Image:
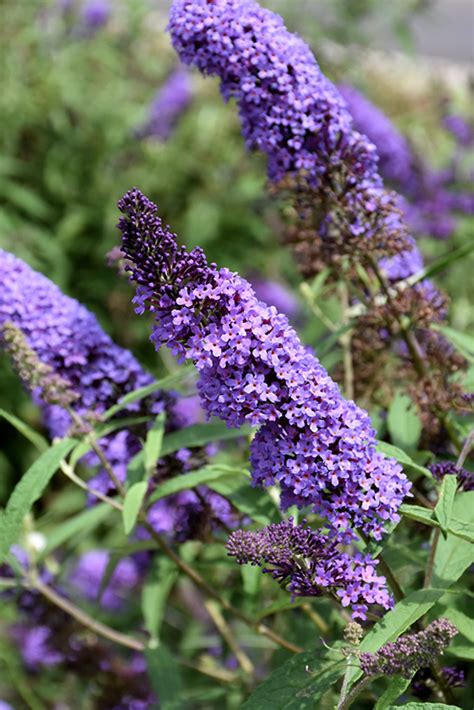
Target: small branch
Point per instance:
(317, 620)
(346, 702)
(211, 592)
(431, 558)
(468, 445)
(83, 618)
(226, 632)
(345, 341)
(71, 474)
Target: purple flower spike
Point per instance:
(289, 110)
(253, 369)
(411, 652)
(68, 341)
(309, 564)
(87, 575)
(169, 103)
(95, 14)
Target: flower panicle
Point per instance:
(35, 374)
(309, 564)
(411, 652)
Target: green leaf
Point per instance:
(165, 384)
(396, 687)
(298, 684)
(132, 504)
(460, 528)
(199, 435)
(28, 490)
(208, 474)
(444, 506)
(86, 521)
(29, 433)
(453, 555)
(441, 263)
(424, 706)
(461, 341)
(397, 621)
(253, 502)
(403, 422)
(403, 458)
(153, 444)
(165, 677)
(158, 585)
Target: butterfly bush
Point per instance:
(308, 564)
(409, 653)
(253, 369)
(293, 114)
(67, 340)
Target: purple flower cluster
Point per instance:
(88, 573)
(276, 294)
(169, 103)
(411, 652)
(67, 339)
(449, 468)
(94, 14)
(253, 369)
(309, 564)
(431, 201)
(289, 110)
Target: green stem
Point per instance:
(83, 618)
(346, 702)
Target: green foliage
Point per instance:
(29, 489)
(300, 683)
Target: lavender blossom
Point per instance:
(291, 112)
(67, 338)
(462, 130)
(253, 369)
(68, 342)
(449, 468)
(411, 652)
(309, 564)
(88, 573)
(94, 14)
(169, 103)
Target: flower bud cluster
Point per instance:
(309, 564)
(411, 652)
(320, 448)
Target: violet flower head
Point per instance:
(290, 112)
(449, 468)
(94, 14)
(460, 128)
(252, 367)
(411, 652)
(67, 338)
(309, 564)
(168, 105)
(82, 364)
(87, 575)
